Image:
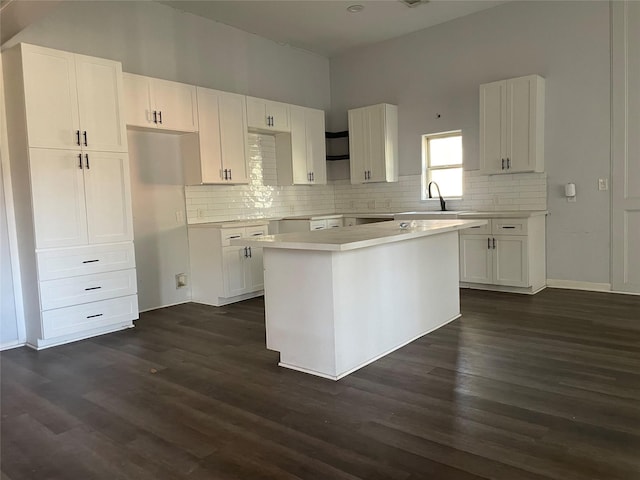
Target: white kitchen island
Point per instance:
(337, 300)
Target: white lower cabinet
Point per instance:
(222, 273)
(506, 254)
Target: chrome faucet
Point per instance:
(442, 204)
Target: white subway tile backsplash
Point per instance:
(261, 198)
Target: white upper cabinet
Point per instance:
(301, 156)
(373, 144)
(512, 125)
(222, 140)
(72, 101)
(154, 103)
(267, 116)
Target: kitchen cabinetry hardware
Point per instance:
(91, 261)
(266, 115)
(250, 256)
(508, 226)
(92, 288)
(94, 316)
(246, 252)
(235, 236)
(503, 164)
(86, 157)
(160, 117)
(155, 116)
(78, 137)
(508, 164)
(494, 243)
(84, 134)
(80, 161)
(488, 243)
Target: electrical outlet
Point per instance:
(603, 184)
(181, 280)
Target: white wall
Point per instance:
(159, 218)
(8, 319)
(156, 40)
(438, 70)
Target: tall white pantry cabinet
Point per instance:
(70, 171)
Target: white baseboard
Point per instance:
(575, 285)
(12, 344)
(163, 306)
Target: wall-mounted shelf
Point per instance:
(339, 146)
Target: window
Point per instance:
(442, 163)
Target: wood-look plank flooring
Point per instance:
(531, 388)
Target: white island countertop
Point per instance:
(360, 236)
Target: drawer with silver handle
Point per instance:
(509, 226)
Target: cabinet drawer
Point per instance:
(256, 231)
(334, 222)
(65, 292)
(481, 230)
(509, 226)
(71, 262)
(228, 234)
(317, 225)
(69, 320)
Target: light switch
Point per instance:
(603, 184)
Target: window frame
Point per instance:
(426, 162)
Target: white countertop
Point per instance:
(231, 224)
(326, 216)
(360, 236)
(434, 214)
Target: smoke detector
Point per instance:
(413, 3)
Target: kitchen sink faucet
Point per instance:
(442, 204)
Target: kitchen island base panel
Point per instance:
(329, 313)
(344, 374)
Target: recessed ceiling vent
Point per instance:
(413, 3)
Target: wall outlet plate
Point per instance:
(181, 280)
(603, 184)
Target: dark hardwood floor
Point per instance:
(542, 387)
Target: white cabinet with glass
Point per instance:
(222, 273)
(373, 144)
(70, 169)
(160, 104)
(512, 125)
(507, 254)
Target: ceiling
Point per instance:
(326, 27)
(321, 26)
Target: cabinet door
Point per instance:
(300, 168)
(377, 137)
(137, 100)
(493, 114)
(233, 265)
(511, 266)
(358, 138)
(209, 135)
(476, 265)
(520, 124)
(279, 113)
(57, 188)
(51, 98)
(255, 270)
(316, 148)
(108, 197)
(256, 113)
(233, 136)
(99, 84)
(175, 104)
